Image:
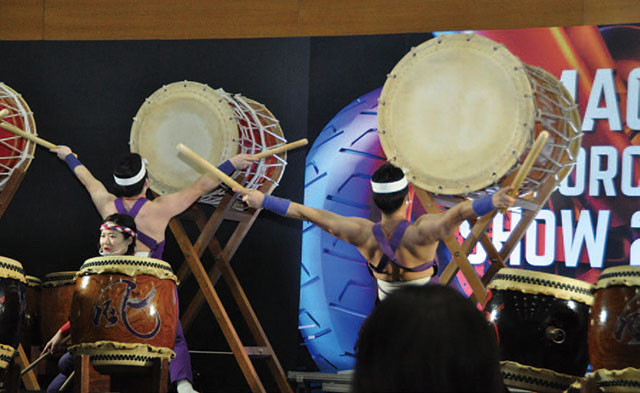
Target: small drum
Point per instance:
(459, 114)
(31, 331)
(56, 296)
(15, 151)
(125, 312)
(614, 328)
(12, 306)
(541, 322)
(214, 124)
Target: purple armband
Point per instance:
(276, 205)
(72, 161)
(483, 205)
(227, 167)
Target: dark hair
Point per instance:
(124, 220)
(427, 338)
(128, 167)
(390, 202)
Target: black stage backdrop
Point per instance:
(85, 94)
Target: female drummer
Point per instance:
(118, 237)
(398, 253)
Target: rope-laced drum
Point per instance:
(124, 312)
(15, 150)
(55, 302)
(12, 307)
(214, 124)
(459, 114)
(541, 322)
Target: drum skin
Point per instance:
(115, 307)
(614, 327)
(57, 292)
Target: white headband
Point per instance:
(386, 188)
(134, 179)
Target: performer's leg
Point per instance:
(180, 367)
(65, 366)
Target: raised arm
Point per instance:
(101, 198)
(353, 230)
(433, 227)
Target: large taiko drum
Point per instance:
(124, 312)
(214, 124)
(31, 331)
(541, 322)
(12, 306)
(614, 328)
(459, 114)
(15, 151)
(55, 302)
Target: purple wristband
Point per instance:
(276, 205)
(227, 167)
(72, 161)
(483, 205)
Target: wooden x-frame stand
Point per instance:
(460, 253)
(222, 267)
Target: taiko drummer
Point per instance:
(398, 252)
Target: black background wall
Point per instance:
(85, 94)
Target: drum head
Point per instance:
(183, 112)
(456, 113)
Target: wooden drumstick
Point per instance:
(4, 113)
(281, 149)
(67, 381)
(26, 135)
(44, 355)
(194, 158)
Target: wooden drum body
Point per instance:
(15, 151)
(614, 327)
(12, 308)
(31, 331)
(124, 311)
(214, 124)
(459, 113)
(57, 292)
(541, 321)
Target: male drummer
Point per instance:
(151, 218)
(397, 252)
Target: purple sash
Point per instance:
(156, 248)
(390, 246)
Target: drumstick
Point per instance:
(206, 165)
(280, 149)
(528, 163)
(4, 113)
(69, 378)
(26, 135)
(44, 355)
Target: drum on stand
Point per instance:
(459, 114)
(31, 331)
(12, 308)
(124, 312)
(15, 151)
(541, 322)
(214, 124)
(55, 301)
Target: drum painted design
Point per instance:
(614, 327)
(541, 321)
(31, 331)
(124, 300)
(459, 114)
(12, 307)
(55, 302)
(15, 151)
(214, 124)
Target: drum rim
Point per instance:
(12, 269)
(455, 188)
(529, 375)
(610, 378)
(627, 276)
(128, 265)
(569, 288)
(6, 355)
(137, 353)
(58, 279)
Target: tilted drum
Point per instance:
(55, 302)
(15, 151)
(214, 124)
(459, 113)
(12, 306)
(541, 322)
(124, 312)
